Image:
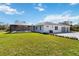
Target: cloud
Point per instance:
(5, 3)
(73, 4)
(40, 7)
(66, 16)
(5, 8)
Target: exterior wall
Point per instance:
(67, 28)
(52, 28)
(37, 28)
(47, 28)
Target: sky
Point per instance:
(33, 13)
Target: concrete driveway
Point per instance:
(72, 35)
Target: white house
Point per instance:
(48, 27)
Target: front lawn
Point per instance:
(35, 44)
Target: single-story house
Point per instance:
(49, 27)
(44, 27)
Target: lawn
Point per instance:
(36, 44)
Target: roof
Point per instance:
(49, 23)
(20, 24)
(45, 23)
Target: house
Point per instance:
(49, 27)
(44, 27)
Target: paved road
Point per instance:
(73, 35)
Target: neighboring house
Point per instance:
(48, 27)
(44, 27)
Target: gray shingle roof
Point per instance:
(49, 23)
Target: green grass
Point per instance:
(35, 44)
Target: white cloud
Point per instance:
(5, 8)
(73, 4)
(40, 4)
(60, 17)
(40, 7)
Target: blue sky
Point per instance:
(39, 12)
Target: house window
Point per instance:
(36, 28)
(56, 27)
(40, 27)
(47, 26)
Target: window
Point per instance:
(47, 26)
(36, 28)
(40, 27)
(56, 27)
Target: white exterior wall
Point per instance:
(38, 29)
(51, 27)
(45, 29)
(68, 28)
